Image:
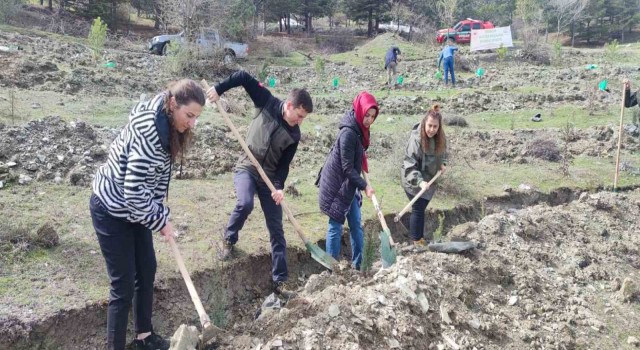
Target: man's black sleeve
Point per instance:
(630, 100)
(258, 93)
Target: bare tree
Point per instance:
(190, 15)
(447, 10)
(566, 12)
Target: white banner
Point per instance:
(487, 39)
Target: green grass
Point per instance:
(555, 117)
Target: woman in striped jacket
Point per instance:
(127, 205)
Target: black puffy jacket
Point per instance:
(340, 175)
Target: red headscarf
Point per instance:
(361, 104)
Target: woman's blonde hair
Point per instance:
(439, 137)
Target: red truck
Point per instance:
(461, 32)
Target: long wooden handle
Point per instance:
(415, 198)
(256, 164)
(376, 205)
(204, 318)
(615, 177)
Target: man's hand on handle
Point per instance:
(277, 196)
(212, 95)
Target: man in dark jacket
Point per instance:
(631, 100)
(340, 180)
(273, 138)
(391, 64)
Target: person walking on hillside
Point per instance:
(273, 138)
(340, 181)
(424, 156)
(126, 205)
(446, 55)
(391, 64)
(631, 100)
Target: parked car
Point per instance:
(207, 39)
(461, 32)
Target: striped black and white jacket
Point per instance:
(133, 183)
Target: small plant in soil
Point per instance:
(437, 234)
(368, 252)
(97, 37)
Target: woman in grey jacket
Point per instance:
(424, 156)
(127, 206)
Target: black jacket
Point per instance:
(340, 175)
(271, 140)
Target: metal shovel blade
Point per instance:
(387, 252)
(320, 255)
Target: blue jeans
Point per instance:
(131, 264)
(246, 187)
(448, 68)
(334, 235)
(416, 223)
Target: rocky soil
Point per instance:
(563, 277)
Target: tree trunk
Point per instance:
(573, 33)
(307, 23)
(41, 2)
(114, 25)
(288, 23)
(370, 24)
(158, 13)
(50, 5)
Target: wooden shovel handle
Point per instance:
(257, 165)
(376, 205)
(415, 198)
(204, 318)
(620, 131)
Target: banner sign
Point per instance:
(487, 39)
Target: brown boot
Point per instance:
(227, 252)
(281, 289)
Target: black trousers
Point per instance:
(131, 264)
(416, 223)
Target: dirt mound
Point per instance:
(45, 64)
(52, 149)
(564, 292)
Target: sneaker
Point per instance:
(227, 251)
(420, 243)
(280, 288)
(152, 342)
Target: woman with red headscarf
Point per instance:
(340, 181)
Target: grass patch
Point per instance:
(555, 117)
(376, 49)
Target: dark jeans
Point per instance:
(416, 223)
(246, 187)
(131, 264)
(448, 68)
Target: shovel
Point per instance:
(317, 253)
(209, 330)
(387, 251)
(397, 218)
